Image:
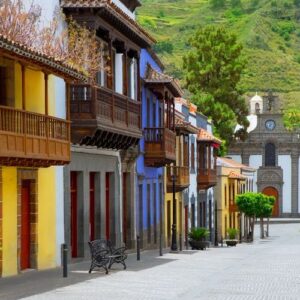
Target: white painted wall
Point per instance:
(119, 73)
(285, 162)
(255, 161)
(47, 12)
(237, 158)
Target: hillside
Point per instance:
(269, 31)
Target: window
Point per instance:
(257, 108)
(270, 155)
(132, 79)
(7, 82)
(101, 77)
(3, 85)
(154, 114)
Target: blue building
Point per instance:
(157, 147)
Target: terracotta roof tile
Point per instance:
(36, 57)
(232, 163)
(153, 76)
(234, 175)
(113, 8)
(205, 136)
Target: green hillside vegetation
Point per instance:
(268, 29)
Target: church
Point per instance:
(274, 152)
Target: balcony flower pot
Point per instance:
(197, 238)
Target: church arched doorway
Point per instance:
(271, 191)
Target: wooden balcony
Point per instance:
(100, 117)
(159, 147)
(33, 140)
(182, 178)
(206, 178)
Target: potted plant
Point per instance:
(197, 238)
(232, 233)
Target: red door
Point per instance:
(74, 213)
(107, 214)
(270, 191)
(25, 225)
(92, 206)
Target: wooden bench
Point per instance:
(104, 255)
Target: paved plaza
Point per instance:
(267, 269)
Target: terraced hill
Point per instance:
(268, 29)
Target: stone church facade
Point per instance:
(274, 152)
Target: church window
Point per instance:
(257, 108)
(270, 155)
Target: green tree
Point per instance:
(263, 209)
(217, 3)
(213, 69)
(246, 204)
(291, 119)
(255, 205)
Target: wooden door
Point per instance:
(92, 206)
(107, 206)
(74, 214)
(25, 225)
(270, 191)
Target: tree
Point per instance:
(255, 205)
(213, 71)
(263, 209)
(292, 119)
(217, 3)
(76, 46)
(246, 204)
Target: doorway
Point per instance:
(25, 225)
(74, 204)
(271, 191)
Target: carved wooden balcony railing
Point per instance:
(100, 115)
(32, 139)
(206, 178)
(159, 146)
(182, 178)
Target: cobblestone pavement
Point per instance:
(267, 269)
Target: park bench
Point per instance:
(104, 255)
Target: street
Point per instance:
(266, 269)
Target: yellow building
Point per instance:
(33, 140)
(232, 178)
(180, 173)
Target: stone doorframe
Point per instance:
(32, 175)
(271, 177)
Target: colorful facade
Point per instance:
(35, 140)
(149, 178)
(106, 129)
(233, 179)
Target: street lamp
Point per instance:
(174, 238)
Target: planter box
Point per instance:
(231, 243)
(199, 245)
